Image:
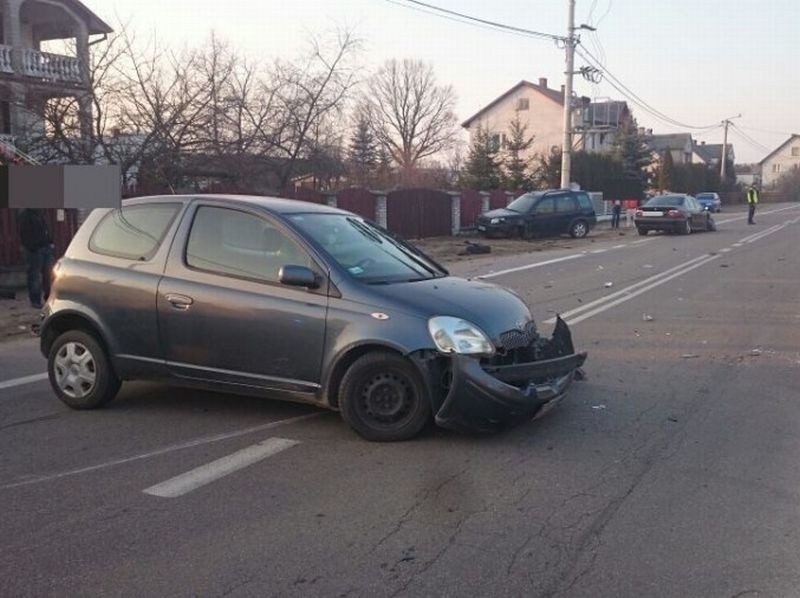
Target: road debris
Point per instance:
(756, 352)
(647, 318)
(648, 266)
(598, 407)
(689, 356)
(724, 266)
(608, 285)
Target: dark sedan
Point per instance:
(297, 301)
(673, 214)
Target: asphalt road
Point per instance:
(672, 471)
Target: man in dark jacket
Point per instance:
(38, 246)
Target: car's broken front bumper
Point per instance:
(485, 397)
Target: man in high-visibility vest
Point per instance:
(752, 202)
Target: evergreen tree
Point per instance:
(363, 152)
(666, 172)
(548, 170)
(482, 169)
(630, 148)
(517, 175)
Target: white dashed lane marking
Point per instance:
(210, 472)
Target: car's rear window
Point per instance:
(133, 232)
(666, 201)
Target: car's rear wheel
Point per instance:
(687, 228)
(80, 371)
(579, 229)
(642, 231)
(383, 398)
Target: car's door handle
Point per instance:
(181, 302)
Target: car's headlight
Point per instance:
(496, 220)
(454, 335)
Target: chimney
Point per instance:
(543, 82)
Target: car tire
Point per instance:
(711, 225)
(383, 398)
(579, 229)
(642, 231)
(687, 228)
(80, 371)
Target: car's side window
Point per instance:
(584, 201)
(545, 206)
(133, 232)
(565, 203)
(234, 243)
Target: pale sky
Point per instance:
(697, 61)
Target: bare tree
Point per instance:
(410, 114)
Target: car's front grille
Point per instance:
(518, 338)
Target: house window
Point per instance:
(776, 168)
(796, 151)
(523, 104)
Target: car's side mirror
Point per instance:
(298, 276)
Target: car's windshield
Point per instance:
(524, 203)
(367, 252)
(666, 200)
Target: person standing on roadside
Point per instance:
(38, 245)
(616, 210)
(752, 202)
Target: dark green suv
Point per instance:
(541, 213)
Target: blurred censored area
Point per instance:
(56, 186)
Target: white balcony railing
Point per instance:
(6, 60)
(52, 67)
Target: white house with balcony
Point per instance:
(28, 76)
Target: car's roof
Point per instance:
(277, 205)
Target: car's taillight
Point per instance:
(639, 213)
(675, 214)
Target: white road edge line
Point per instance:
(758, 234)
(22, 381)
(163, 451)
(628, 289)
(210, 472)
(607, 306)
(529, 266)
(766, 233)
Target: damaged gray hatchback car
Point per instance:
(297, 301)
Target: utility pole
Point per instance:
(566, 146)
(723, 165)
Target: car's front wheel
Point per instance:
(642, 231)
(80, 371)
(711, 225)
(383, 397)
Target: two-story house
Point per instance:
(597, 124)
(780, 161)
(679, 145)
(538, 107)
(29, 76)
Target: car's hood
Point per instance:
(492, 308)
(501, 213)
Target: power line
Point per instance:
(605, 14)
(749, 139)
(465, 17)
(626, 91)
(767, 131)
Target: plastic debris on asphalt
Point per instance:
(598, 407)
(756, 352)
(647, 266)
(608, 285)
(689, 356)
(647, 318)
